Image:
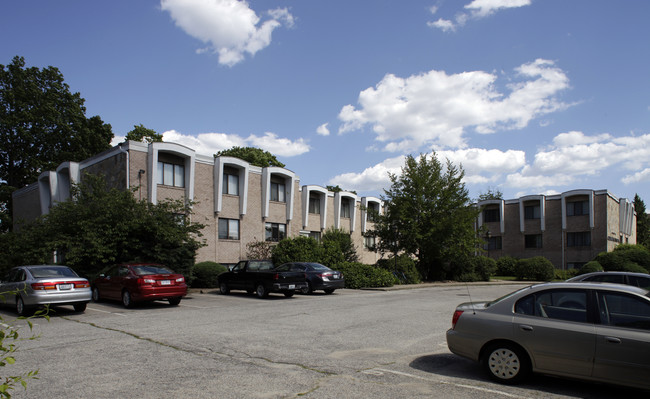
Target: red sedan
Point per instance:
(139, 282)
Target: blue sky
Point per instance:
(529, 96)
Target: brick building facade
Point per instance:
(236, 201)
(569, 229)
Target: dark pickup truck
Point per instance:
(258, 276)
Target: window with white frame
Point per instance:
(491, 215)
(532, 212)
(228, 229)
(230, 181)
(314, 203)
(345, 208)
(171, 174)
(278, 191)
(577, 208)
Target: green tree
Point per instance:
(339, 241)
(490, 195)
(98, 227)
(142, 134)
(642, 222)
(252, 155)
(42, 124)
(428, 215)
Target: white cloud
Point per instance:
(374, 178)
(434, 109)
(575, 156)
(477, 9)
(211, 143)
(323, 130)
(229, 27)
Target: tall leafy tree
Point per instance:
(428, 215)
(42, 124)
(642, 222)
(143, 134)
(252, 155)
(100, 226)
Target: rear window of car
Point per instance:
(638, 281)
(318, 267)
(143, 270)
(51, 272)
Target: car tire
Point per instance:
(261, 291)
(223, 288)
(21, 309)
(329, 291)
(80, 307)
(174, 301)
(96, 296)
(126, 299)
(289, 294)
(506, 363)
(308, 289)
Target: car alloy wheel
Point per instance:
(96, 297)
(126, 299)
(20, 306)
(261, 291)
(223, 288)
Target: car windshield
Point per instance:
(143, 270)
(51, 272)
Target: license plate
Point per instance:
(165, 282)
(336, 276)
(292, 286)
(64, 287)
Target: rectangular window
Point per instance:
(170, 174)
(230, 184)
(493, 243)
(277, 192)
(373, 212)
(577, 208)
(578, 239)
(315, 235)
(314, 205)
(532, 212)
(533, 241)
(275, 231)
(228, 229)
(345, 208)
(491, 215)
(369, 242)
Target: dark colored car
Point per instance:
(259, 277)
(319, 277)
(26, 287)
(139, 282)
(641, 280)
(591, 331)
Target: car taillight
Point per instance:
(276, 276)
(82, 284)
(455, 318)
(145, 281)
(180, 279)
(44, 286)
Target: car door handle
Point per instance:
(613, 340)
(526, 327)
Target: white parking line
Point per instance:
(106, 311)
(493, 391)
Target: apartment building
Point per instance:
(569, 229)
(237, 202)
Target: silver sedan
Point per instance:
(590, 331)
(26, 287)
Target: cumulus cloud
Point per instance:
(323, 130)
(211, 143)
(575, 156)
(435, 109)
(477, 9)
(230, 28)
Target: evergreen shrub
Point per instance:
(358, 275)
(537, 269)
(204, 274)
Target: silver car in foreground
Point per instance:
(590, 331)
(26, 287)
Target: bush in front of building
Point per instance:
(506, 266)
(566, 274)
(204, 274)
(296, 249)
(477, 268)
(537, 269)
(359, 275)
(624, 258)
(591, 267)
(403, 269)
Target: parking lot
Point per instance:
(351, 344)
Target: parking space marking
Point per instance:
(486, 390)
(106, 311)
